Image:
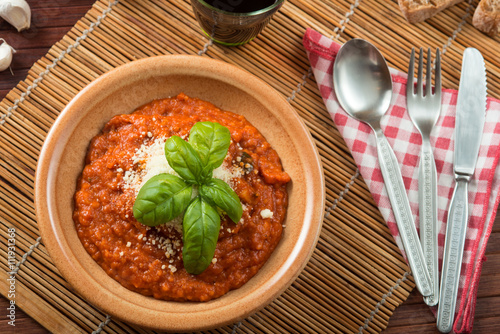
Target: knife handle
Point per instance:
(402, 213)
(452, 255)
(428, 211)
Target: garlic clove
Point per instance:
(16, 12)
(6, 52)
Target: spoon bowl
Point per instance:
(359, 68)
(363, 86)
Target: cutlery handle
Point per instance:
(428, 211)
(402, 213)
(452, 255)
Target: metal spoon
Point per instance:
(363, 86)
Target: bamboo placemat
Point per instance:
(356, 277)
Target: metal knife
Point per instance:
(469, 123)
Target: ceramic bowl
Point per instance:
(121, 91)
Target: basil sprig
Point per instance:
(164, 197)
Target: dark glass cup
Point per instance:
(223, 25)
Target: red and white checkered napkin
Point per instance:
(484, 194)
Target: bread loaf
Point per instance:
(487, 17)
(419, 10)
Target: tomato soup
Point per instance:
(147, 259)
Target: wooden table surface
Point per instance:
(52, 19)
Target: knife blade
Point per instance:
(469, 124)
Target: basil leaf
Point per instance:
(206, 174)
(211, 141)
(183, 159)
(200, 229)
(161, 199)
(219, 193)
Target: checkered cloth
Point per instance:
(404, 138)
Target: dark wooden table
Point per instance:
(52, 19)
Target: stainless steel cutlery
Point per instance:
(363, 86)
(424, 107)
(361, 71)
(469, 123)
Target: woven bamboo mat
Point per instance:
(356, 277)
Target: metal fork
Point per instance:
(424, 108)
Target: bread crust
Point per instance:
(487, 17)
(416, 11)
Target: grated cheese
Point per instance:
(266, 213)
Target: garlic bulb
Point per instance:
(16, 12)
(6, 52)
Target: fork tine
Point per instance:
(437, 73)
(411, 69)
(420, 73)
(428, 76)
